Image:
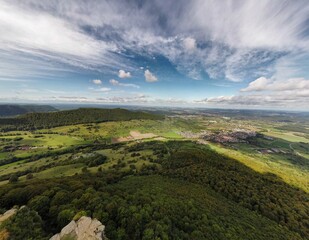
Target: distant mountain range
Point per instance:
(8, 110)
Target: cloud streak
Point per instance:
(117, 83)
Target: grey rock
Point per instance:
(85, 228)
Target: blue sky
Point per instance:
(206, 53)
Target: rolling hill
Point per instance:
(8, 110)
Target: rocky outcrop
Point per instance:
(7, 214)
(4, 233)
(84, 229)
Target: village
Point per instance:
(230, 139)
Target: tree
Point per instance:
(65, 216)
(29, 176)
(40, 204)
(148, 234)
(84, 169)
(25, 224)
(13, 178)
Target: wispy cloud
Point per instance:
(289, 100)
(92, 34)
(117, 83)
(35, 32)
(30, 32)
(102, 89)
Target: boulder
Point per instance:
(7, 214)
(84, 228)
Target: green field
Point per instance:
(288, 136)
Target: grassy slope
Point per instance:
(294, 176)
(166, 128)
(114, 157)
(288, 136)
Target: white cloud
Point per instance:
(34, 38)
(123, 74)
(31, 31)
(249, 24)
(150, 77)
(257, 85)
(189, 44)
(72, 98)
(8, 79)
(289, 100)
(114, 82)
(264, 84)
(246, 42)
(136, 98)
(97, 81)
(103, 89)
(117, 83)
(291, 94)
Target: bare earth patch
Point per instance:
(136, 135)
(159, 138)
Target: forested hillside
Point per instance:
(7, 110)
(188, 192)
(32, 121)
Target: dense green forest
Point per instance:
(33, 121)
(7, 110)
(188, 192)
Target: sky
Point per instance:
(204, 53)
